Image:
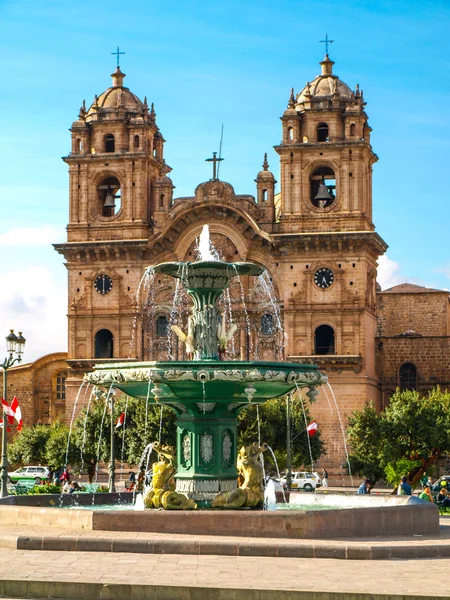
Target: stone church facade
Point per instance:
(315, 238)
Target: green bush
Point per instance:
(48, 488)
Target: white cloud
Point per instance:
(389, 273)
(31, 236)
(34, 301)
(445, 270)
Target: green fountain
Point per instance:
(206, 392)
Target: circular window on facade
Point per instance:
(322, 187)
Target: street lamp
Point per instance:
(15, 344)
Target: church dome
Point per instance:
(265, 175)
(115, 98)
(325, 86)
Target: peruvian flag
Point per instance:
(120, 420)
(17, 413)
(13, 412)
(312, 428)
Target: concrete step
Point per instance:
(230, 546)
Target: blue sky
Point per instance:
(204, 64)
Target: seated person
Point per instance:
(442, 497)
(426, 494)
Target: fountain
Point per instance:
(206, 392)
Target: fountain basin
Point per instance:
(395, 517)
(207, 396)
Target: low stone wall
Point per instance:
(402, 518)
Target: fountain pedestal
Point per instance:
(206, 453)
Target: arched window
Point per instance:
(136, 141)
(109, 144)
(104, 344)
(162, 326)
(161, 201)
(322, 132)
(264, 195)
(46, 409)
(408, 377)
(352, 129)
(78, 146)
(109, 197)
(324, 340)
(322, 187)
(267, 324)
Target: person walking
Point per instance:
(364, 487)
(404, 488)
(324, 478)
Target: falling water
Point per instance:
(123, 434)
(71, 422)
(343, 432)
(247, 319)
(261, 457)
(146, 410)
(299, 396)
(146, 284)
(225, 304)
(270, 496)
(110, 391)
(278, 470)
(266, 284)
(83, 444)
(206, 250)
(161, 411)
(145, 458)
(328, 400)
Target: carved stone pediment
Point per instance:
(214, 190)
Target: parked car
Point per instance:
(38, 474)
(304, 480)
(443, 481)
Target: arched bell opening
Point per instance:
(104, 344)
(324, 340)
(322, 132)
(322, 187)
(109, 143)
(109, 197)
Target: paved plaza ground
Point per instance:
(162, 573)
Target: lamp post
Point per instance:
(14, 346)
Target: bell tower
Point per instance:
(326, 157)
(119, 195)
(327, 245)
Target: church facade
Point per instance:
(315, 238)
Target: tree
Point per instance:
(364, 436)
(273, 432)
(407, 438)
(28, 446)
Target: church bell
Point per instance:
(109, 201)
(323, 195)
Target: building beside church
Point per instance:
(316, 239)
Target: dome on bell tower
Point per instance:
(116, 99)
(325, 86)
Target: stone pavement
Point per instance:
(108, 576)
(171, 568)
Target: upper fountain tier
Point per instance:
(207, 274)
(205, 281)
